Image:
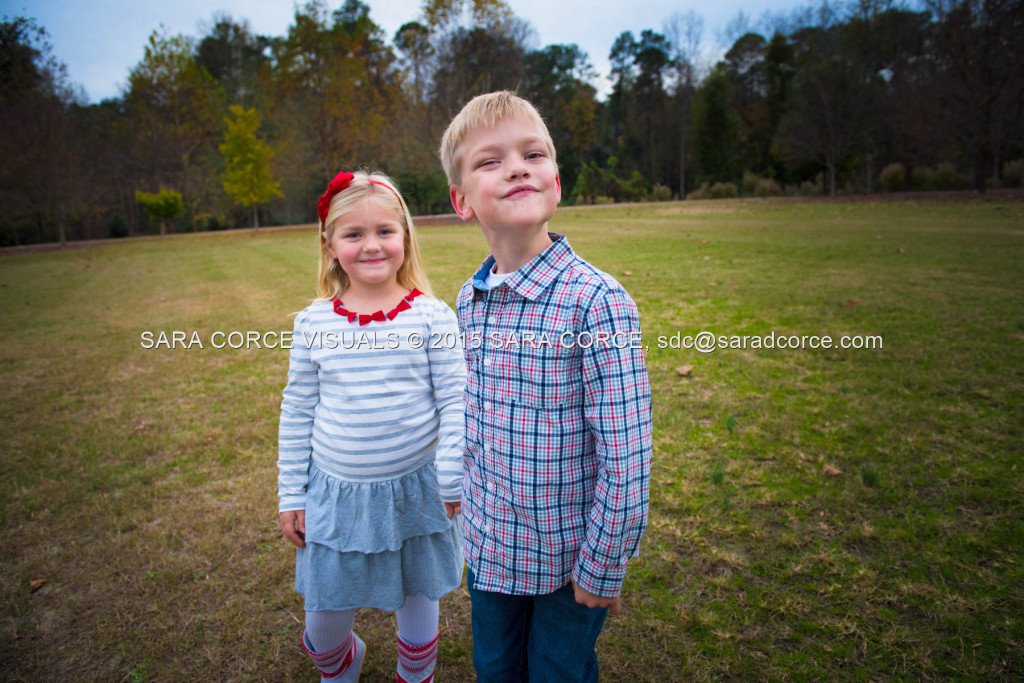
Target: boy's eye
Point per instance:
(535, 155)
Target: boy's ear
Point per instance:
(459, 203)
(558, 186)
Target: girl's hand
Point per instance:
(293, 524)
(453, 508)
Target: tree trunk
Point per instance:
(255, 218)
(682, 162)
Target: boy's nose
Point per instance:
(517, 168)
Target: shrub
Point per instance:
(922, 178)
(894, 178)
(1012, 173)
(946, 177)
(750, 181)
(724, 191)
(661, 193)
(767, 187)
(701, 192)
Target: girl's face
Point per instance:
(369, 243)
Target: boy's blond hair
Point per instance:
(486, 110)
(331, 279)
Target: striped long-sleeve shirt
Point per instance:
(373, 402)
(558, 427)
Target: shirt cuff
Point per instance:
(597, 578)
(292, 502)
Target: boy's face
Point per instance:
(509, 180)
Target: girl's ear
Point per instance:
(460, 203)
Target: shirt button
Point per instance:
(487, 361)
(487, 405)
(487, 448)
(492, 320)
(490, 486)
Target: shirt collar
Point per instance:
(533, 278)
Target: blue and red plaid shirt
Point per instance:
(558, 427)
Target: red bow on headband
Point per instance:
(339, 183)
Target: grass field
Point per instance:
(816, 514)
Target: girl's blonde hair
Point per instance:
(331, 280)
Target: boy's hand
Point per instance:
(453, 508)
(293, 524)
(585, 597)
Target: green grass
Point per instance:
(140, 483)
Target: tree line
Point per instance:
(233, 128)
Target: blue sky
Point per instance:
(101, 40)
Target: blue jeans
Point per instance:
(534, 638)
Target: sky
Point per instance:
(100, 41)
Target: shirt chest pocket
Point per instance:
(544, 375)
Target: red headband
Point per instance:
(341, 182)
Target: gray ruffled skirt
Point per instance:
(371, 544)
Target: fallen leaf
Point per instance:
(684, 370)
(901, 251)
(707, 258)
(850, 303)
(831, 471)
(141, 427)
(703, 241)
(878, 237)
(627, 272)
(35, 584)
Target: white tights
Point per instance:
(417, 624)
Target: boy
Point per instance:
(558, 410)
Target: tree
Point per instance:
(42, 176)
(335, 97)
(716, 126)
(834, 105)
(247, 179)
(175, 111)
(479, 59)
(413, 41)
(161, 207)
(684, 33)
(234, 57)
(979, 77)
(557, 82)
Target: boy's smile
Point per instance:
(509, 180)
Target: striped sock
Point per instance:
(416, 662)
(334, 664)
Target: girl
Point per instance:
(371, 436)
